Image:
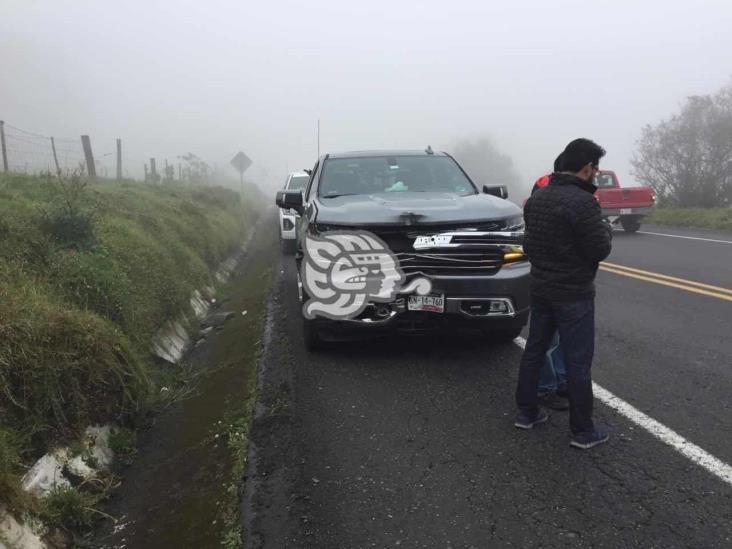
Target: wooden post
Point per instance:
(119, 159)
(2, 145)
(145, 173)
(55, 158)
(153, 171)
(91, 169)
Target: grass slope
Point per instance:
(88, 273)
(696, 218)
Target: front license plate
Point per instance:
(428, 303)
(626, 211)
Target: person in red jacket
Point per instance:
(553, 375)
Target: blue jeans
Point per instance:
(575, 322)
(553, 376)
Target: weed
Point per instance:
(70, 219)
(70, 509)
(10, 492)
(123, 442)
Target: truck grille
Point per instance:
(452, 262)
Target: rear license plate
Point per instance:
(427, 303)
(626, 211)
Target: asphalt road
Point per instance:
(409, 442)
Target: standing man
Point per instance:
(565, 240)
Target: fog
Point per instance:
(218, 76)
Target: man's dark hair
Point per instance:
(559, 163)
(578, 153)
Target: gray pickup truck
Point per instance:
(436, 224)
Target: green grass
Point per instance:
(698, 218)
(83, 288)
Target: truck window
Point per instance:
(604, 181)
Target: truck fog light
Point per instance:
(499, 307)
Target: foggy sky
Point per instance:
(213, 77)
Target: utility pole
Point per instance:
(119, 159)
(318, 138)
(91, 169)
(55, 158)
(2, 145)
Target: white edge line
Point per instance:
(668, 436)
(687, 237)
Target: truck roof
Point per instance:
(384, 152)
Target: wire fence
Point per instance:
(31, 153)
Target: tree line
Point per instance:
(686, 158)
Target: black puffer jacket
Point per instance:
(566, 238)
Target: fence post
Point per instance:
(55, 158)
(153, 171)
(119, 159)
(2, 144)
(91, 169)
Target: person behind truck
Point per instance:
(553, 376)
(565, 240)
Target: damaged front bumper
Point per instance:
(469, 302)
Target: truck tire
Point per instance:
(630, 224)
(310, 333)
(311, 336)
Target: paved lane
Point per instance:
(665, 350)
(700, 260)
(409, 442)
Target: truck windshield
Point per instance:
(392, 174)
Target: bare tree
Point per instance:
(688, 158)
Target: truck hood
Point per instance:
(413, 208)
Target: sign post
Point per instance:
(241, 162)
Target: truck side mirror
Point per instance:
(290, 200)
(501, 191)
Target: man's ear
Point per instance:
(586, 172)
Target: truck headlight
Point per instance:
(515, 223)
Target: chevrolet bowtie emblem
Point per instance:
(410, 218)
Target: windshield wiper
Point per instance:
(338, 195)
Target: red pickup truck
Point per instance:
(624, 205)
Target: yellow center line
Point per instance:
(683, 281)
(661, 280)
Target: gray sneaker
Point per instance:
(585, 441)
